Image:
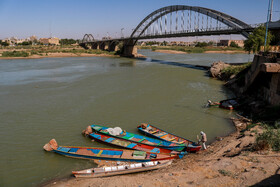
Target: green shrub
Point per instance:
(234, 70)
(269, 139)
(15, 54)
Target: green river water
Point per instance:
(41, 99)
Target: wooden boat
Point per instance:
(228, 104)
(106, 153)
(114, 141)
(156, 132)
(121, 169)
(136, 138)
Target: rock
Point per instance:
(216, 68)
(219, 138)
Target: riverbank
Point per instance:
(52, 52)
(227, 162)
(187, 49)
(60, 55)
(210, 52)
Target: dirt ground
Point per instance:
(181, 52)
(226, 162)
(60, 55)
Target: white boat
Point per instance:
(121, 169)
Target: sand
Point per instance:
(226, 162)
(61, 55)
(210, 52)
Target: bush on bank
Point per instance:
(269, 139)
(234, 70)
(15, 54)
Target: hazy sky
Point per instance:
(74, 18)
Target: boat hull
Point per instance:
(94, 153)
(117, 142)
(126, 169)
(190, 145)
(147, 140)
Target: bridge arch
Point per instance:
(229, 21)
(87, 38)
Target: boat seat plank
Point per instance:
(162, 135)
(155, 150)
(138, 136)
(100, 152)
(73, 150)
(131, 145)
(95, 151)
(97, 136)
(64, 149)
(109, 140)
(128, 136)
(141, 140)
(97, 128)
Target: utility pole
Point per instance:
(269, 13)
(122, 36)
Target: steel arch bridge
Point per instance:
(181, 19)
(176, 21)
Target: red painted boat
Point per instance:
(114, 141)
(155, 132)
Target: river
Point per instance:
(47, 98)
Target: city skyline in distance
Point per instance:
(72, 19)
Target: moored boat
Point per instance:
(123, 143)
(228, 104)
(105, 153)
(121, 169)
(134, 137)
(156, 132)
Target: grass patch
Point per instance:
(225, 172)
(15, 54)
(234, 70)
(189, 49)
(269, 139)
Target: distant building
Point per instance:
(49, 41)
(227, 43)
(33, 38)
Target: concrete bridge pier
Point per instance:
(113, 46)
(95, 46)
(129, 49)
(83, 45)
(103, 46)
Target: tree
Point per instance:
(67, 41)
(233, 44)
(256, 40)
(5, 44)
(201, 44)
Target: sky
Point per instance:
(74, 18)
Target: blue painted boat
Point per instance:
(155, 132)
(106, 153)
(137, 138)
(127, 144)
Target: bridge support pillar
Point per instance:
(102, 46)
(113, 47)
(129, 49)
(94, 46)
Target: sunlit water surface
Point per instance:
(41, 99)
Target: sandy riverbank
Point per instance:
(182, 52)
(226, 162)
(61, 55)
